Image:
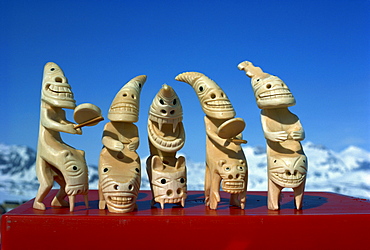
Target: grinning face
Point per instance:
(55, 88)
(120, 186)
(125, 106)
(214, 101)
(233, 173)
(165, 129)
(288, 172)
(271, 92)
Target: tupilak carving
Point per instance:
(225, 159)
(166, 172)
(57, 161)
(119, 164)
(286, 161)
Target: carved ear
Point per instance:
(241, 162)
(157, 163)
(221, 162)
(180, 163)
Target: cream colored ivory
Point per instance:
(119, 164)
(225, 161)
(286, 161)
(57, 161)
(166, 172)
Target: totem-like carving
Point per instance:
(225, 159)
(286, 161)
(119, 164)
(166, 172)
(57, 161)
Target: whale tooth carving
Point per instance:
(286, 161)
(119, 164)
(167, 173)
(225, 161)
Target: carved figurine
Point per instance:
(286, 161)
(225, 160)
(167, 173)
(119, 164)
(55, 159)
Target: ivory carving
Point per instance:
(166, 172)
(119, 164)
(225, 159)
(57, 161)
(286, 161)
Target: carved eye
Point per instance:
(258, 80)
(174, 101)
(137, 170)
(105, 170)
(201, 88)
(161, 101)
(52, 69)
(182, 180)
(75, 168)
(140, 85)
(227, 169)
(240, 168)
(163, 181)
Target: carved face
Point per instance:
(125, 106)
(165, 129)
(168, 183)
(233, 173)
(55, 88)
(288, 172)
(212, 98)
(120, 186)
(271, 92)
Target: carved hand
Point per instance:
(278, 136)
(297, 135)
(112, 144)
(133, 145)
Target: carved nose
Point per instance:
(216, 94)
(60, 79)
(169, 192)
(129, 95)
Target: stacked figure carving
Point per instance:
(286, 161)
(225, 159)
(166, 172)
(55, 160)
(119, 164)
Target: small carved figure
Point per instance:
(225, 159)
(167, 173)
(286, 161)
(119, 164)
(55, 159)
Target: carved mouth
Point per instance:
(217, 105)
(233, 187)
(120, 200)
(124, 108)
(61, 92)
(287, 179)
(170, 142)
(276, 93)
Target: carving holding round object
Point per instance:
(231, 128)
(87, 114)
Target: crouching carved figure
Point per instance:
(166, 172)
(119, 164)
(225, 159)
(286, 161)
(55, 159)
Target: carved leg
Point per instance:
(214, 197)
(298, 195)
(207, 185)
(102, 202)
(58, 200)
(45, 177)
(273, 199)
(240, 198)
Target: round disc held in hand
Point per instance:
(231, 128)
(85, 112)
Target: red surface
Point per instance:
(328, 221)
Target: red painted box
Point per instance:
(328, 221)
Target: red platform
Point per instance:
(328, 221)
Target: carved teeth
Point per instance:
(124, 107)
(120, 200)
(61, 91)
(219, 104)
(277, 93)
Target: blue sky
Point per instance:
(320, 49)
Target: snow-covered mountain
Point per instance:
(346, 172)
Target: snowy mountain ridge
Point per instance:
(346, 172)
